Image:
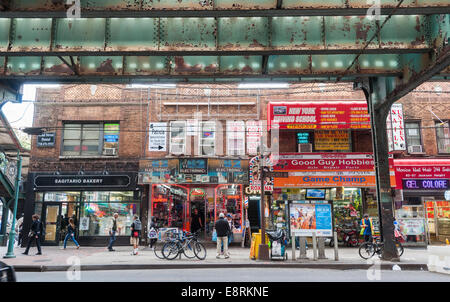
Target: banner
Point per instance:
(332, 140)
(306, 219)
(157, 136)
(254, 132)
(319, 115)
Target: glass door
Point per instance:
(52, 223)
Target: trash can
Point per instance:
(254, 246)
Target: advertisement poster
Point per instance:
(332, 140)
(254, 132)
(411, 226)
(84, 223)
(157, 136)
(306, 219)
(319, 115)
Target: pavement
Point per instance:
(99, 258)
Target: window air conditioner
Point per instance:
(415, 149)
(110, 151)
(304, 148)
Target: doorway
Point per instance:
(52, 222)
(68, 210)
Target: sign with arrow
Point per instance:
(157, 137)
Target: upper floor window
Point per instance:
(207, 138)
(178, 137)
(235, 138)
(443, 137)
(413, 138)
(90, 139)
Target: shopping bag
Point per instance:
(214, 236)
(152, 234)
(362, 231)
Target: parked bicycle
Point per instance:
(188, 245)
(171, 235)
(368, 249)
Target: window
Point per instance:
(443, 137)
(178, 137)
(413, 134)
(90, 139)
(207, 138)
(235, 138)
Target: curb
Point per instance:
(334, 266)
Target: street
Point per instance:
(236, 275)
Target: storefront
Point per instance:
(423, 211)
(345, 180)
(189, 193)
(90, 199)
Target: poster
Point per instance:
(306, 219)
(397, 125)
(254, 133)
(411, 226)
(84, 223)
(157, 137)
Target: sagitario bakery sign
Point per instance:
(328, 170)
(319, 115)
(70, 181)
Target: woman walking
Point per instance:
(136, 228)
(71, 234)
(153, 233)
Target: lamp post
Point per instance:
(263, 253)
(12, 233)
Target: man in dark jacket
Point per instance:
(112, 232)
(35, 234)
(222, 229)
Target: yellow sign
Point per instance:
(332, 140)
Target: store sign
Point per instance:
(328, 170)
(303, 137)
(157, 137)
(194, 166)
(331, 140)
(396, 128)
(69, 181)
(255, 176)
(306, 219)
(426, 184)
(319, 115)
(422, 169)
(411, 227)
(46, 140)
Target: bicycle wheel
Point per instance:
(400, 249)
(199, 250)
(366, 250)
(188, 250)
(170, 250)
(158, 251)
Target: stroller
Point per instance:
(278, 242)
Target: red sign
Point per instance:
(319, 115)
(420, 169)
(324, 162)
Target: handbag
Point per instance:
(135, 234)
(30, 234)
(152, 234)
(214, 236)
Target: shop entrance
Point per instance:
(68, 210)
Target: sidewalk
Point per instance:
(99, 258)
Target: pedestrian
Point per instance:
(71, 233)
(196, 223)
(153, 233)
(112, 232)
(35, 233)
(136, 228)
(367, 225)
(231, 224)
(18, 229)
(222, 230)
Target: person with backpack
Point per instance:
(136, 228)
(153, 233)
(36, 231)
(71, 234)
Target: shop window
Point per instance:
(96, 218)
(178, 137)
(413, 138)
(90, 139)
(443, 137)
(207, 138)
(62, 196)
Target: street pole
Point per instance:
(263, 253)
(12, 233)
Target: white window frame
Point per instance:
(232, 150)
(181, 150)
(202, 126)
